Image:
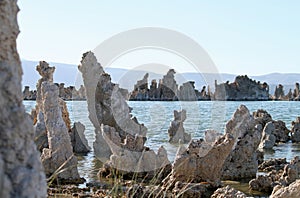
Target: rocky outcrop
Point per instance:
(124, 135)
(228, 192)
(202, 161)
(78, 140)
(243, 88)
(59, 160)
(167, 90)
(21, 172)
(176, 131)
(290, 191)
(29, 94)
(262, 117)
(281, 131)
(242, 161)
(279, 93)
(71, 93)
(295, 131)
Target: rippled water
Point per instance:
(201, 115)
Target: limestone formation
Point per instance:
(59, 156)
(176, 131)
(29, 94)
(295, 131)
(79, 142)
(141, 91)
(291, 191)
(279, 93)
(91, 71)
(242, 161)
(21, 172)
(262, 117)
(169, 86)
(228, 192)
(281, 131)
(124, 135)
(202, 161)
(243, 88)
(268, 137)
(187, 92)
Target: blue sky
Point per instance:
(242, 37)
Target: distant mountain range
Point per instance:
(69, 74)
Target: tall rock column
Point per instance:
(91, 71)
(21, 172)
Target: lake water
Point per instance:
(201, 115)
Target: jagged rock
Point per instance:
(124, 135)
(262, 117)
(91, 71)
(295, 131)
(187, 92)
(212, 135)
(154, 93)
(242, 161)
(228, 192)
(202, 161)
(291, 191)
(281, 132)
(29, 94)
(79, 142)
(141, 91)
(21, 172)
(176, 131)
(168, 86)
(243, 88)
(296, 94)
(268, 137)
(60, 155)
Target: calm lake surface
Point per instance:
(201, 116)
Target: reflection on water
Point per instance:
(200, 116)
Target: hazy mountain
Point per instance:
(70, 75)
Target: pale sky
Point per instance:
(251, 37)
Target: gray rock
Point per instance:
(59, 156)
(91, 71)
(21, 171)
(242, 161)
(79, 142)
(202, 161)
(176, 130)
(268, 138)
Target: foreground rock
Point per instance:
(21, 172)
(59, 160)
(291, 191)
(242, 160)
(202, 161)
(228, 192)
(91, 71)
(79, 142)
(176, 131)
(123, 135)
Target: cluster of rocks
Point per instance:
(243, 88)
(65, 93)
(21, 171)
(291, 96)
(118, 129)
(167, 90)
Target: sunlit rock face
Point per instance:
(202, 161)
(91, 71)
(295, 131)
(21, 171)
(242, 161)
